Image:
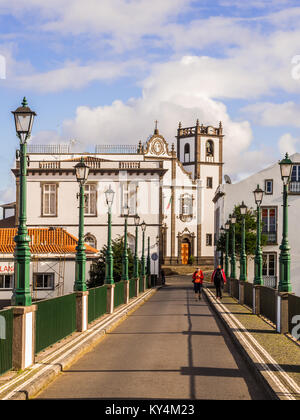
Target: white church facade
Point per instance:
(171, 191)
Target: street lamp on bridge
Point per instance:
(233, 256)
(136, 258)
(243, 258)
(285, 257)
(227, 227)
(143, 226)
(24, 118)
(82, 173)
(258, 196)
(109, 260)
(125, 252)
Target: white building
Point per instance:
(52, 266)
(229, 195)
(171, 193)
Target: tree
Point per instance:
(250, 233)
(97, 271)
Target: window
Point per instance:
(208, 239)
(187, 156)
(186, 207)
(269, 186)
(90, 195)
(269, 265)
(43, 281)
(129, 197)
(90, 240)
(269, 269)
(209, 182)
(6, 281)
(269, 220)
(294, 185)
(49, 200)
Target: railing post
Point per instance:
(137, 286)
(24, 326)
(82, 311)
(110, 298)
(126, 291)
(242, 292)
(256, 299)
(282, 313)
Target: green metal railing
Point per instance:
(97, 303)
(119, 294)
(6, 340)
(131, 288)
(141, 284)
(55, 320)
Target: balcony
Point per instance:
(294, 187)
(270, 281)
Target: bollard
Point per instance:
(126, 292)
(241, 292)
(282, 313)
(82, 311)
(23, 336)
(110, 298)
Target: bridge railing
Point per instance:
(46, 322)
(6, 340)
(55, 320)
(280, 308)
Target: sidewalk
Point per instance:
(49, 363)
(274, 357)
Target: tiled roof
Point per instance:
(43, 241)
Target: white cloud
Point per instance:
(289, 144)
(74, 76)
(270, 114)
(170, 100)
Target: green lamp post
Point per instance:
(258, 260)
(148, 260)
(227, 227)
(143, 226)
(136, 258)
(109, 260)
(233, 256)
(285, 257)
(125, 251)
(243, 257)
(24, 118)
(82, 172)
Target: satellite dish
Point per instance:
(227, 179)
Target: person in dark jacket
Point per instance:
(219, 279)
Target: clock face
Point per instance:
(157, 147)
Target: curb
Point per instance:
(44, 372)
(269, 387)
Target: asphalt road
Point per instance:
(172, 347)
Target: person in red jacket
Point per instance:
(198, 281)
(219, 279)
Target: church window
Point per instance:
(187, 156)
(209, 149)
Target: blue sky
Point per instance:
(101, 72)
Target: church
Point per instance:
(170, 190)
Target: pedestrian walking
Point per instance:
(219, 279)
(198, 282)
